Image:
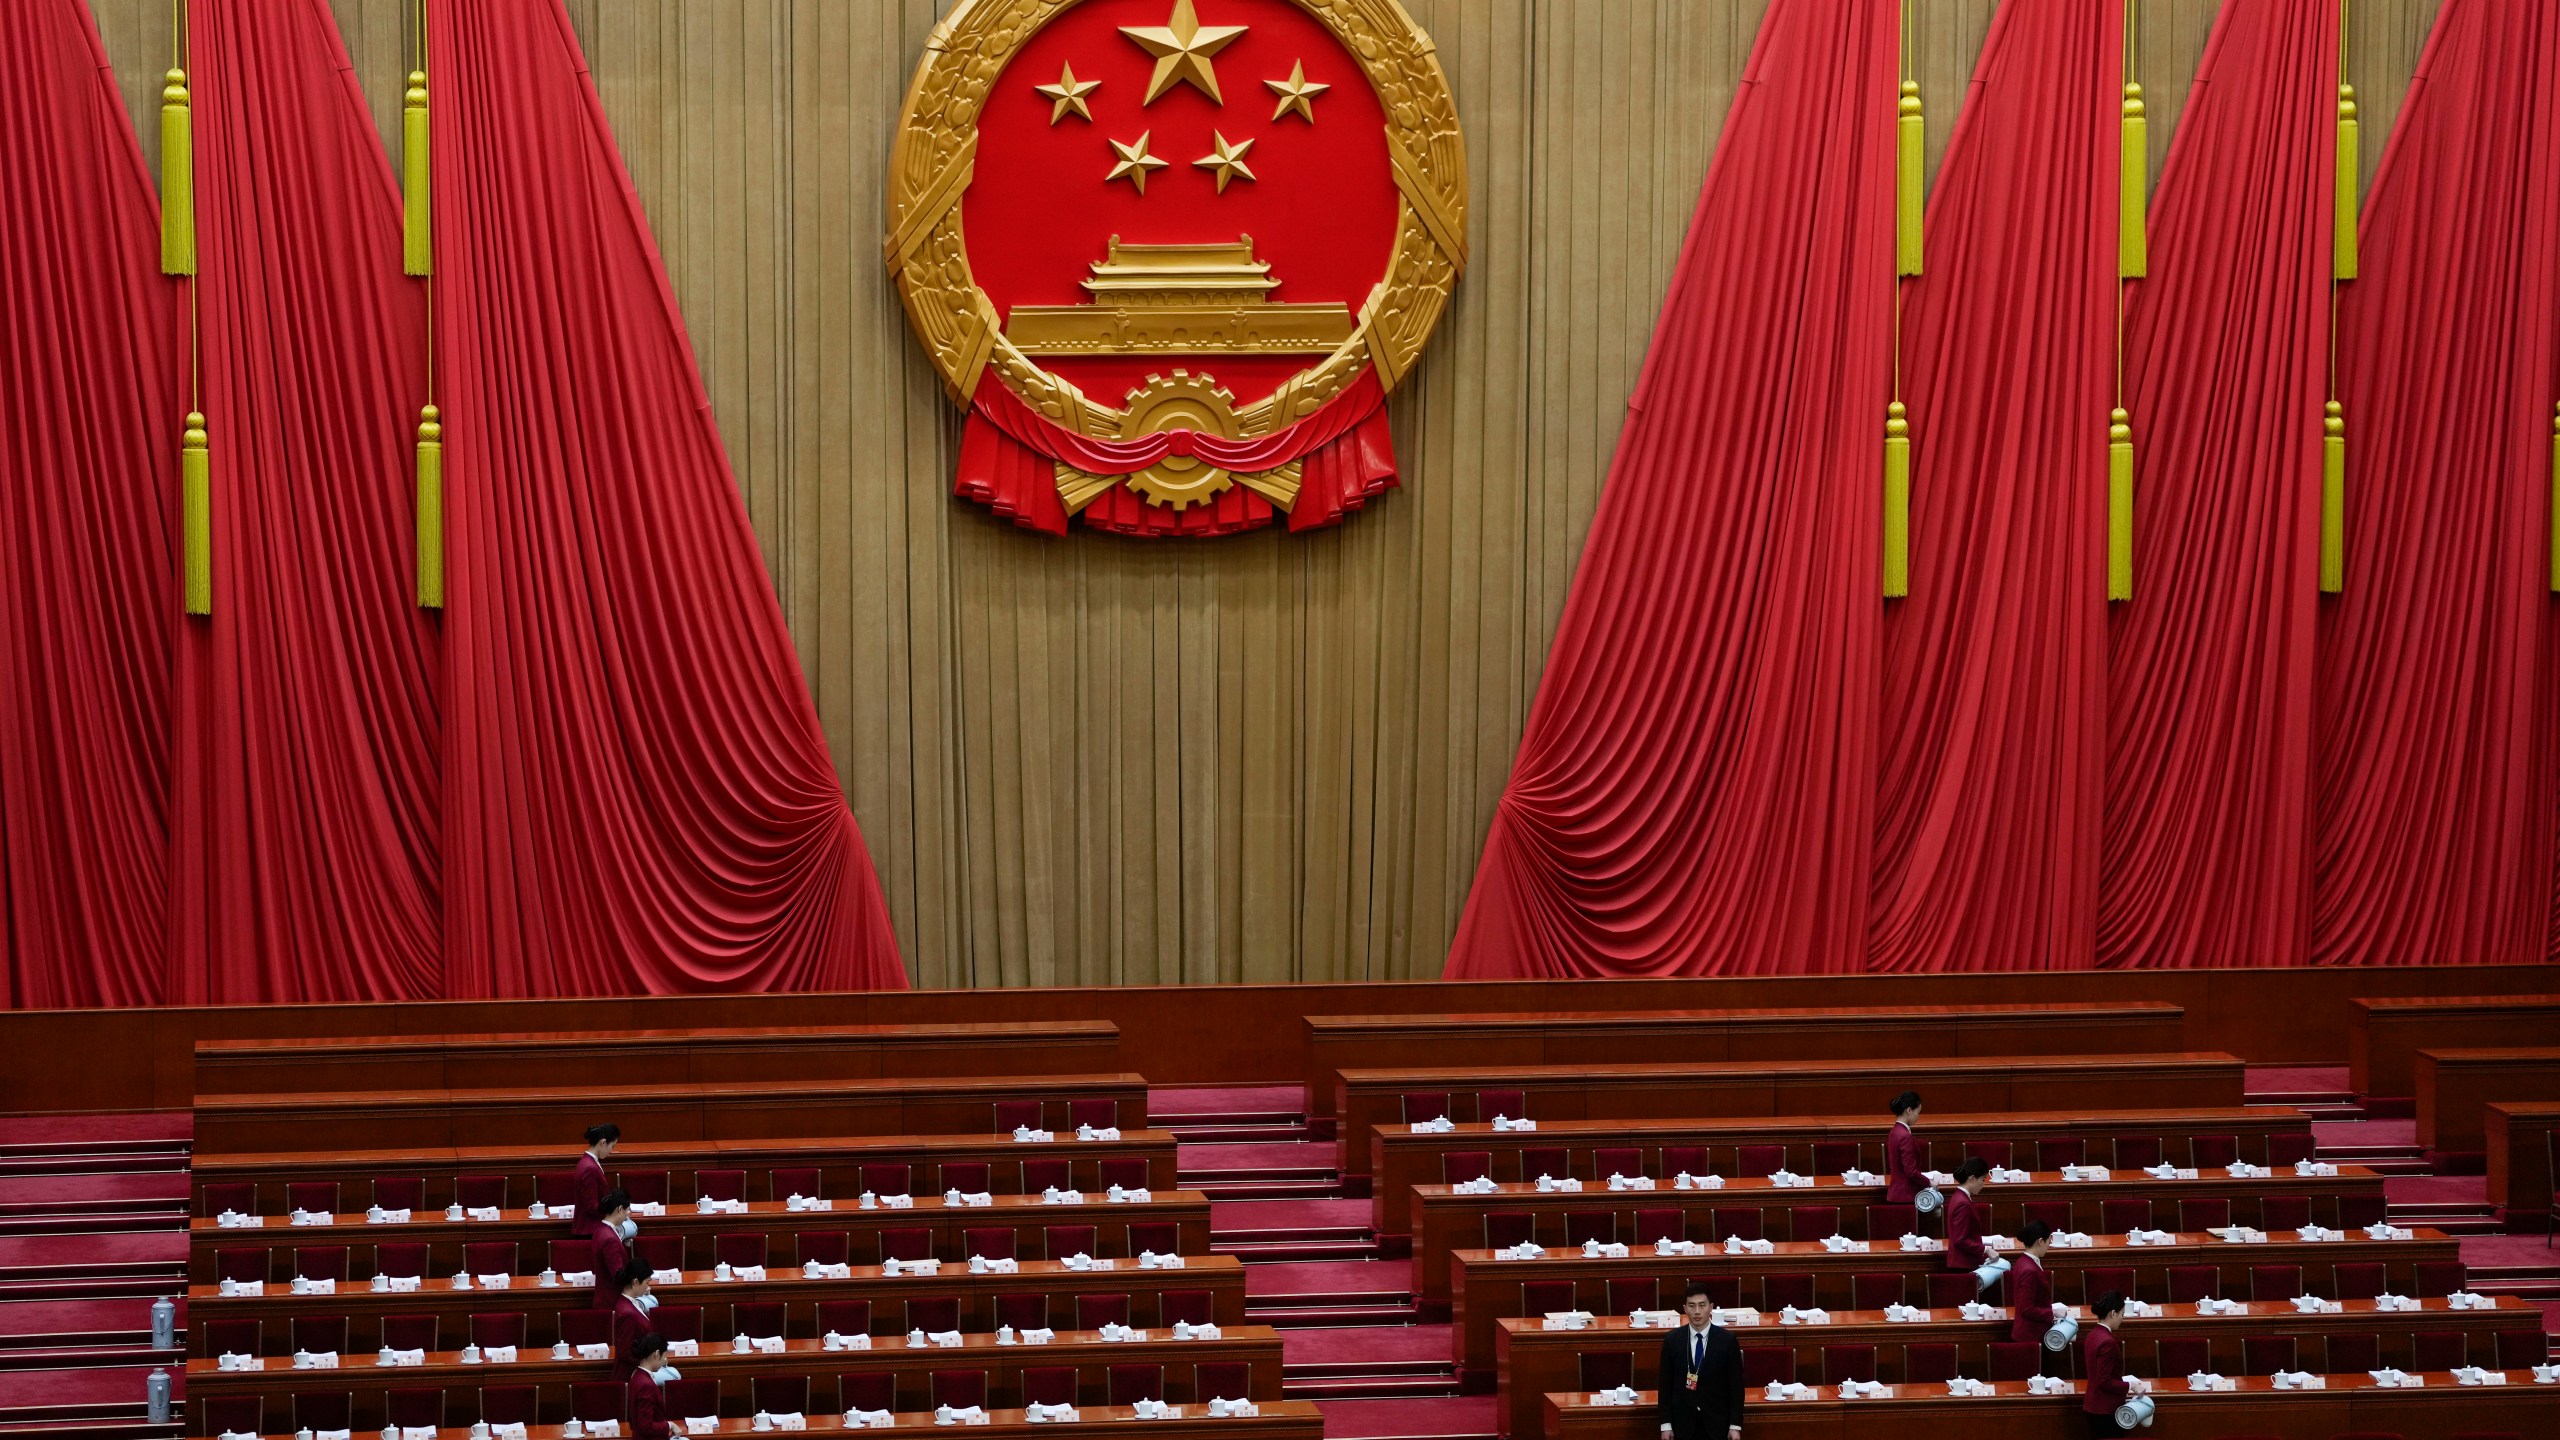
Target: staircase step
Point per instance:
(1377, 1387)
(1289, 1132)
(1251, 1251)
(120, 1223)
(55, 1355)
(1323, 1188)
(92, 1164)
(1289, 1310)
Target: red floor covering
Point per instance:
(1273, 1155)
(1368, 1345)
(2296, 1079)
(63, 1193)
(23, 1318)
(2436, 1189)
(1295, 1217)
(1328, 1277)
(1172, 1104)
(93, 1129)
(42, 1252)
(1466, 1416)
(2365, 1132)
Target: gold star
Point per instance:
(1227, 160)
(1296, 94)
(1069, 94)
(1182, 47)
(1135, 162)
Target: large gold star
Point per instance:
(1069, 94)
(1296, 94)
(1135, 162)
(1182, 47)
(1227, 160)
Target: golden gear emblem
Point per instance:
(972, 341)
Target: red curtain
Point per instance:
(1693, 790)
(2436, 674)
(306, 806)
(637, 794)
(1993, 692)
(90, 417)
(2207, 857)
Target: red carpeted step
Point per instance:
(1312, 1219)
(1334, 1349)
(2436, 1190)
(100, 1393)
(59, 1320)
(112, 1128)
(92, 1193)
(56, 1257)
(1341, 1281)
(1294, 1158)
(1223, 1102)
(1470, 1417)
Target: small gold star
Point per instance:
(1296, 94)
(1069, 94)
(1135, 162)
(1183, 47)
(1227, 160)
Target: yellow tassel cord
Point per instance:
(195, 514)
(1897, 502)
(430, 510)
(1911, 153)
(2333, 500)
(2133, 248)
(2349, 170)
(417, 257)
(177, 178)
(2119, 505)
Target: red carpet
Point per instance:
(36, 1253)
(61, 1193)
(1209, 1159)
(36, 1318)
(119, 1126)
(2365, 1132)
(1295, 1278)
(30, 1394)
(2296, 1080)
(1298, 1218)
(2436, 1189)
(2494, 1252)
(1167, 1104)
(1467, 1416)
(1369, 1345)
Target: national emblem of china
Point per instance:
(1172, 255)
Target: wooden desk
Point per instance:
(910, 1369)
(1278, 1420)
(2455, 1086)
(2256, 1407)
(1452, 1221)
(1484, 1289)
(1401, 1158)
(838, 1159)
(1369, 1099)
(2385, 1034)
(1583, 1037)
(1533, 1361)
(1221, 1275)
(1024, 1215)
(571, 1058)
(2518, 1134)
(734, 1110)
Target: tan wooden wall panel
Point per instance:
(1098, 760)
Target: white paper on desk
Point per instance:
(234, 1220)
(945, 1339)
(684, 1349)
(1652, 1319)
(481, 1212)
(578, 1278)
(1594, 1249)
(1566, 1320)
(1550, 1185)
(417, 1432)
(869, 1419)
(2243, 1170)
(1668, 1246)
(1855, 1176)
(2385, 1230)
(2314, 1168)
(1865, 1390)
(1789, 1390)
(1150, 1260)
(315, 1359)
(492, 1282)
(2048, 1385)
(2208, 1380)
(606, 1428)
(1025, 1135)
(752, 1274)
(418, 1356)
(701, 1424)
(499, 1354)
(2149, 1237)
(306, 1286)
(1622, 1395)
(1055, 1196)
(1738, 1315)
(1686, 1181)
(1843, 1245)
(802, 1203)
(1118, 1196)
(1222, 1407)
(2085, 1172)
(959, 1415)
(1630, 1182)
(1185, 1330)
(2297, 1380)
(2465, 1300)
(2002, 1175)
(1038, 1414)
(833, 1341)
(2393, 1378)
(314, 1217)
(1082, 1261)
(1793, 1316)
(2315, 1305)
(1917, 1243)
(241, 1287)
(819, 1270)
(603, 1351)
(2475, 1375)
(1041, 1336)
(1439, 1125)
(1790, 1180)
(1481, 1185)
(2387, 1301)
(666, 1277)
(1976, 1310)
(1906, 1314)
(1097, 1132)
(235, 1361)
(1964, 1385)
(1503, 1123)
(1004, 1265)
(1525, 1250)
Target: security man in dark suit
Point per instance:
(1700, 1381)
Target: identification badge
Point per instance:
(1693, 1379)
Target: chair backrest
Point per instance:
(2439, 1350)
(1875, 1291)
(2099, 1279)
(2190, 1283)
(2138, 1152)
(489, 1257)
(1933, 1364)
(586, 1327)
(759, 1319)
(320, 1262)
(317, 1195)
(230, 1337)
(1848, 1362)
(2266, 1354)
(1778, 1291)
(1509, 1104)
(2439, 1277)
(887, 1177)
(403, 1258)
(1608, 1160)
(1764, 1364)
(592, 1400)
(798, 1180)
(1099, 1111)
(2211, 1213)
(413, 1405)
(479, 1192)
(235, 1414)
(1813, 1222)
(2054, 1215)
(1607, 1369)
(1130, 1384)
(320, 1334)
(2520, 1348)
(1195, 1307)
(1539, 1297)
(720, 1184)
(677, 1322)
(2280, 1213)
(934, 1314)
(1888, 1221)
(1421, 1105)
(504, 1327)
(1129, 1172)
(844, 1317)
(995, 1242)
(1950, 1288)
(1732, 1220)
(959, 1388)
(1057, 1242)
(1506, 1228)
(1582, 1226)
(1537, 1160)
(237, 1196)
(1661, 1222)
(660, 1251)
(1095, 1311)
(969, 1177)
(1830, 1157)
(1012, 1115)
(2117, 1217)
(1754, 1161)
(2055, 1151)
(1049, 1385)
(1725, 1291)
(1989, 1152)
(240, 1266)
(418, 1332)
(509, 1404)
(1457, 1167)
(1630, 1293)
(867, 1390)
(738, 1249)
(1684, 1159)
(2353, 1352)
(324, 1410)
(556, 1188)
(2287, 1146)
(2185, 1355)
(1222, 1380)
(2014, 1360)
(691, 1396)
(573, 1255)
(1047, 1173)
(645, 1187)
(2274, 1282)
(906, 1242)
(2212, 1152)
(1164, 1237)
(780, 1394)
(2355, 1212)
(1023, 1311)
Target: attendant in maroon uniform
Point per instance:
(611, 1253)
(1904, 1175)
(648, 1406)
(589, 1176)
(2031, 1285)
(2102, 1359)
(1966, 1227)
(632, 1304)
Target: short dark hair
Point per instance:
(614, 1199)
(1971, 1166)
(2111, 1303)
(606, 1131)
(633, 1271)
(2033, 1231)
(646, 1344)
(1697, 1287)
(1907, 1100)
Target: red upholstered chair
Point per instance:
(321, 1262)
(2286, 1146)
(2014, 1360)
(867, 1390)
(1012, 1115)
(1661, 1222)
(2266, 1354)
(843, 1317)
(645, 1187)
(1630, 1293)
(827, 1247)
(2367, 1435)
(235, 1414)
(660, 1251)
(2116, 1217)
(1950, 1288)
(413, 1406)
(2138, 1152)
(2203, 1214)
(1099, 1111)
(2190, 1283)
(1738, 1220)
(959, 1388)
(2098, 1280)
(2185, 1355)
(586, 1327)
(1608, 1160)
(2212, 1152)
(995, 1242)
(2439, 1350)
(886, 1177)
(1842, 1363)
(320, 1334)
(1607, 1369)
(1222, 1380)
(2356, 1212)
(1581, 1226)
(1095, 1311)
(324, 1410)
(1787, 1288)
(1537, 1160)
(241, 1266)
(1928, 1364)
(240, 1197)
(1832, 1157)
(1813, 1222)
(1164, 1237)
(2439, 1277)
(906, 1242)
(2054, 1215)
(418, 1332)
(1194, 1307)
(2486, 1435)
(1989, 1152)
(677, 1322)
(1023, 1311)
(779, 1394)
(1509, 1104)
(1724, 1291)
(1539, 1297)
(315, 1195)
(593, 1400)
(2055, 1151)
(509, 1404)
(1422, 1105)
(1129, 1172)
(1887, 1221)
(1057, 1242)
(2520, 1348)
(1762, 1364)
(504, 1327)
(1506, 1228)
(1130, 1384)
(760, 1319)
(556, 1189)
(969, 1177)
(1752, 1162)
(1684, 1159)
(479, 1192)
(230, 1337)
(1047, 1174)
(2279, 1214)
(933, 1314)
(1049, 1385)
(1875, 1291)
(802, 1180)
(737, 1250)
(489, 1257)
(1457, 1167)
(2353, 1353)
(2275, 1282)
(571, 1256)
(720, 1184)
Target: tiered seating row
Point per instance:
(2456, 1086)
(1277, 1420)
(2521, 1157)
(2385, 1035)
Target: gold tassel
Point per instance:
(2133, 248)
(2555, 500)
(2333, 500)
(195, 514)
(430, 510)
(2119, 505)
(417, 256)
(1910, 155)
(1897, 502)
(2349, 174)
(177, 178)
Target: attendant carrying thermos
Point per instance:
(607, 1234)
(647, 1404)
(1967, 1219)
(588, 1179)
(2031, 1291)
(632, 1303)
(1906, 1180)
(2112, 1403)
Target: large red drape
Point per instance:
(90, 414)
(1694, 787)
(637, 793)
(2207, 855)
(1992, 701)
(2437, 705)
(306, 807)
